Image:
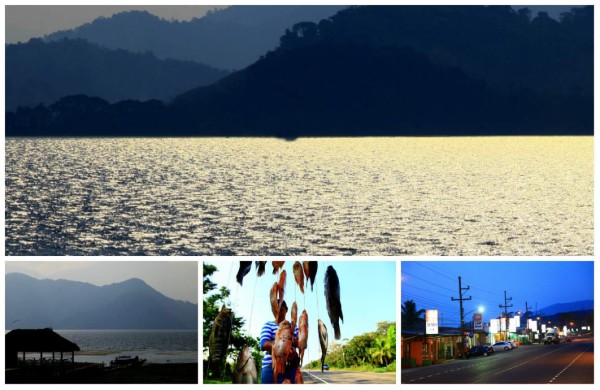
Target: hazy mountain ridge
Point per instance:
(43, 72)
(568, 307)
(64, 304)
(357, 74)
(229, 38)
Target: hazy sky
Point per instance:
(28, 21)
(543, 283)
(25, 22)
(367, 290)
(175, 279)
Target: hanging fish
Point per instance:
(277, 266)
(294, 315)
(310, 270)
(303, 334)
(299, 275)
(323, 342)
(306, 270)
(332, 299)
(282, 281)
(275, 300)
(260, 267)
(282, 347)
(219, 340)
(245, 267)
(245, 369)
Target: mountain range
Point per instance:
(374, 71)
(568, 307)
(229, 38)
(64, 304)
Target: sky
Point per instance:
(367, 293)
(29, 21)
(432, 284)
(175, 279)
(24, 22)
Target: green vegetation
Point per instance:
(372, 352)
(213, 300)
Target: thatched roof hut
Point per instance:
(36, 340)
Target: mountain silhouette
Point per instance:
(39, 72)
(568, 307)
(64, 304)
(375, 71)
(229, 38)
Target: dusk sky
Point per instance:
(432, 284)
(23, 22)
(175, 279)
(367, 290)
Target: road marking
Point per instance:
(525, 362)
(314, 376)
(564, 369)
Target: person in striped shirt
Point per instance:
(267, 337)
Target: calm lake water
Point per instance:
(320, 196)
(157, 346)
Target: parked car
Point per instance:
(479, 350)
(514, 344)
(502, 346)
(325, 367)
(492, 350)
(569, 339)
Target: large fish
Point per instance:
(277, 266)
(332, 299)
(274, 296)
(245, 267)
(260, 267)
(245, 369)
(310, 271)
(282, 281)
(299, 275)
(303, 334)
(294, 315)
(323, 341)
(219, 340)
(282, 347)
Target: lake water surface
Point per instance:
(157, 346)
(316, 196)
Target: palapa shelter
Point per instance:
(36, 340)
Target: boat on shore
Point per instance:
(126, 361)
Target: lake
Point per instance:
(157, 346)
(472, 196)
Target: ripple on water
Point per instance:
(367, 196)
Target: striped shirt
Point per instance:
(268, 332)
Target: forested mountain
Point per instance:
(64, 304)
(377, 70)
(39, 72)
(229, 38)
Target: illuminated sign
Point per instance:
(478, 321)
(533, 325)
(494, 325)
(431, 322)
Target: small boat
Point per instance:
(127, 361)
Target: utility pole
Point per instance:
(462, 311)
(505, 306)
(527, 321)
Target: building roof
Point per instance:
(38, 340)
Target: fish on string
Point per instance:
(219, 340)
(282, 347)
(245, 369)
(260, 267)
(310, 271)
(303, 334)
(299, 275)
(277, 265)
(323, 341)
(245, 267)
(332, 300)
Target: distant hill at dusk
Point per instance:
(568, 307)
(375, 71)
(64, 304)
(39, 72)
(229, 38)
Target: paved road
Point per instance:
(316, 377)
(566, 363)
